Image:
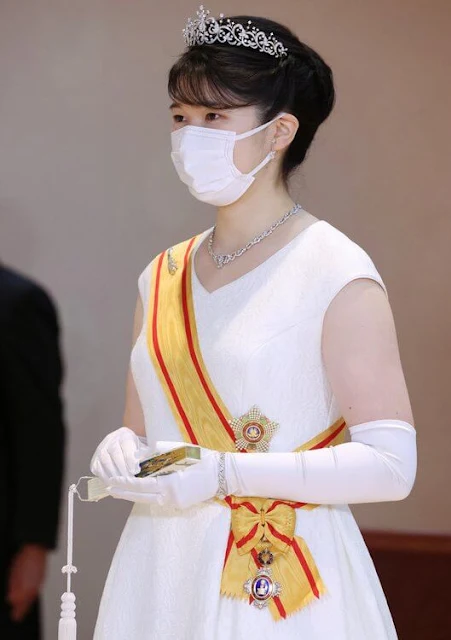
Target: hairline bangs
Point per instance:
(202, 87)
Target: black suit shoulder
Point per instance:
(17, 291)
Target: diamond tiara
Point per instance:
(207, 30)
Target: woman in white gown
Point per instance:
(264, 339)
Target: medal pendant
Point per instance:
(265, 557)
(262, 587)
(253, 430)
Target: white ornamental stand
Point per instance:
(96, 490)
(67, 626)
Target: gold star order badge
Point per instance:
(253, 430)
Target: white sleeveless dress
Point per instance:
(260, 338)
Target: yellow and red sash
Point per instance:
(203, 419)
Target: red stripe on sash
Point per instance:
(247, 537)
(255, 556)
(280, 607)
(229, 546)
(160, 357)
(248, 505)
(278, 535)
(192, 351)
(326, 441)
(295, 505)
(305, 566)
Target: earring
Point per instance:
(272, 152)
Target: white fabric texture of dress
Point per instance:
(260, 338)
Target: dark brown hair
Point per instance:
(222, 76)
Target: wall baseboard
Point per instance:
(406, 541)
(415, 573)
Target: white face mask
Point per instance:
(203, 159)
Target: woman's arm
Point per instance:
(118, 451)
(133, 413)
(361, 356)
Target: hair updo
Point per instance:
(223, 76)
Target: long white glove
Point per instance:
(379, 464)
(180, 489)
(118, 453)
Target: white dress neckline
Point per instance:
(200, 287)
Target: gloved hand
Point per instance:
(180, 489)
(119, 453)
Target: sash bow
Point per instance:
(293, 565)
(275, 519)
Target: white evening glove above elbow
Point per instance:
(379, 464)
(180, 489)
(118, 453)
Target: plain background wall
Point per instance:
(88, 196)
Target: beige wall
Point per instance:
(88, 195)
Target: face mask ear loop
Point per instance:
(271, 155)
(268, 158)
(246, 134)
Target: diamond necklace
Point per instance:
(223, 258)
